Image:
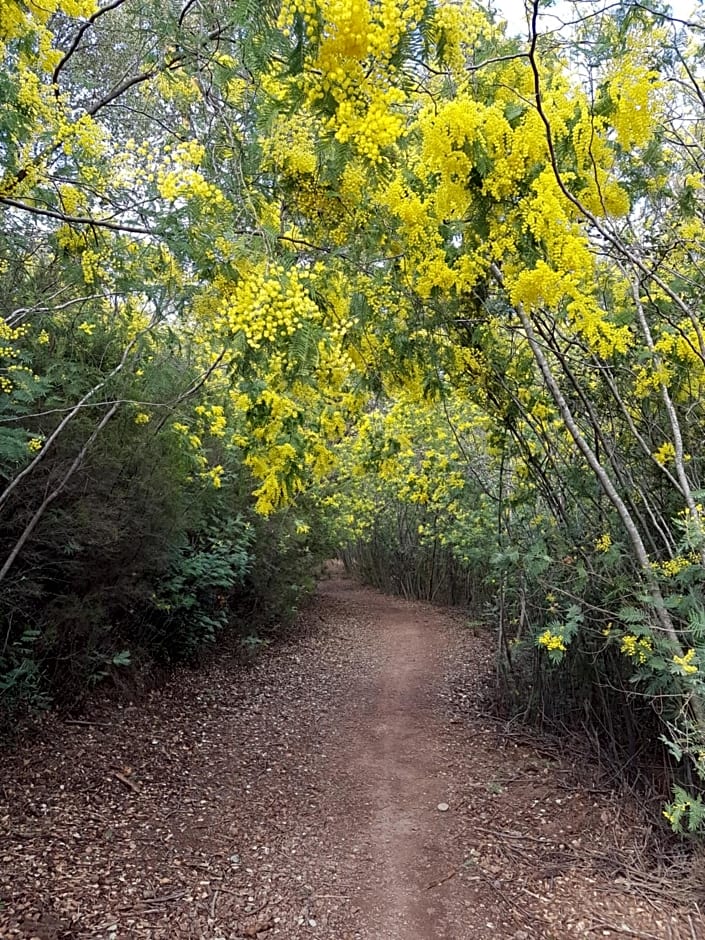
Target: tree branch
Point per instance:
(75, 219)
(62, 424)
(31, 525)
(79, 36)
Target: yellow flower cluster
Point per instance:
(289, 143)
(179, 178)
(604, 196)
(549, 287)
(91, 266)
(390, 21)
(355, 42)
(676, 810)
(312, 199)
(591, 323)
(215, 475)
(647, 380)
(214, 418)
(673, 566)
(319, 459)
(348, 23)
(453, 129)
(11, 333)
(142, 418)
(8, 337)
(540, 286)
(306, 9)
(636, 648)
(551, 641)
(604, 543)
(269, 303)
(34, 445)
(277, 468)
(334, 365)
(548, 216)
(13, 19)
(458, 27)
(411, 456)
(372, 125)
(82, 134)
(332, 423)
(665, 454)
(184, 183)
(16, 18)
(178, 87)
(686, 663)
(682, 345)
(355, 30)
(631, 89)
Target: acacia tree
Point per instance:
(125, 416)
(333, 204)
(514, 232)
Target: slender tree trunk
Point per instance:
(603, 477)
(31, 525)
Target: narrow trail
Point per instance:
(347, 786)
(394, 752)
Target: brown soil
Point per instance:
(347, 786)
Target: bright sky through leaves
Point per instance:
(514, 11)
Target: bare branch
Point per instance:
(79, 35)
(31, 525)
(62, 424)
(17, 316)
(75, 219)
(593, 462)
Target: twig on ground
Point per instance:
(84, 722)
(437, 884)
(126, 780)
(625, 930)
(165, 898)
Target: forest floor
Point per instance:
(350, 784)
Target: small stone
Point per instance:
(443, 807)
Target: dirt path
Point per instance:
(394, 752)
(348, 786)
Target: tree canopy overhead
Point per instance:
(374, 261)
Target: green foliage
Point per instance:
(686, 812)
(21, 685)
(151, 550)
(417, 521)
(191, 604)
(13, 446)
